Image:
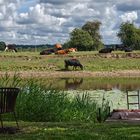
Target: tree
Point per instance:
(93, 27)
(129, 35)
(2, 45)
(86, 38)
(81, 40)
(67, 44)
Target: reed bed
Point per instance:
(37, 103)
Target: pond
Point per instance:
(112, 90)
(93, 83)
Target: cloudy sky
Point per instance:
(51, 21)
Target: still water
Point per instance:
(106, 84)
(112, 90)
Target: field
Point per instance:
(92, 62)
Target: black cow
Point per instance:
(106, 50)
(73, 62)
(124, 48)
(47, 52)
(127, 49)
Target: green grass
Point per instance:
(100, 64)
(73, 131)
(92, 61)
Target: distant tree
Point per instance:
(86, 38)
(67, 44)
(2, 45)
(93, 27)
(81, 40)
(129, 35)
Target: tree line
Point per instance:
(88, 38)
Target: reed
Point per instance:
(7, 81)
(36, 103)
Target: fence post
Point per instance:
(99, 115)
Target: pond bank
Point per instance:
(59, 74)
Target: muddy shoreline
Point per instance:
(59, 74)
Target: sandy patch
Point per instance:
(47, 74)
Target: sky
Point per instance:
(51, 21)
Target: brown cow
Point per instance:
(62, 52)
(72, 49)
(58, 46)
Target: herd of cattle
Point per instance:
(59, 50)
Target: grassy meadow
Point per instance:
(92, 61)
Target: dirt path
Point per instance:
(47, 74)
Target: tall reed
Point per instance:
(36, 103)
(10, 81)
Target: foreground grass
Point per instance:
(73, 131)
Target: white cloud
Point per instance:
(129, 16)
(49, 21)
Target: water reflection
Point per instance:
(106, 84)
(99, 84)
(115, 86)
(73, 83)
(95, 84)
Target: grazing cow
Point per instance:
(62, 52)
(106, 50)
(72, 49)
(11, 47)
(73, 62)
(47, 52)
